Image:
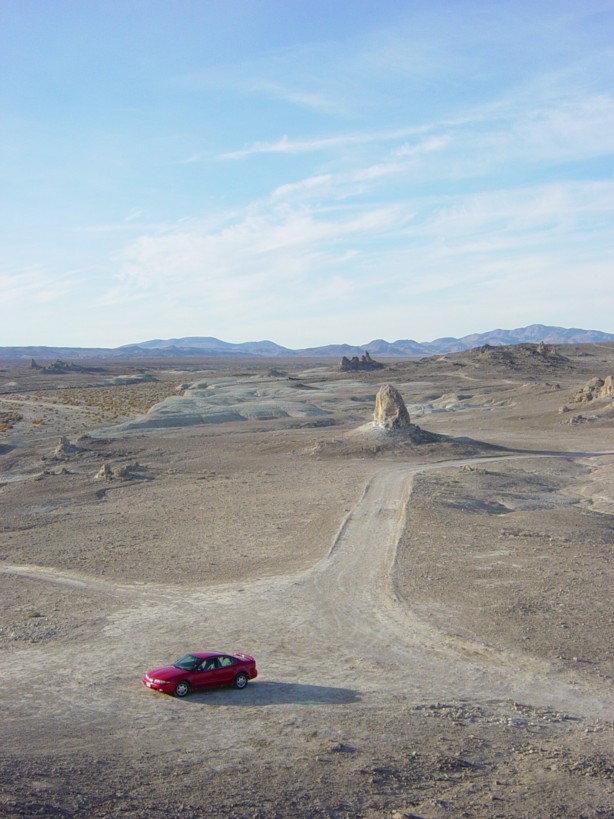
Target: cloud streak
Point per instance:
(284, 145)
(36, 285)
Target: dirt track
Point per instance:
(364, 706)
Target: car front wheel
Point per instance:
(241, 680)
(182, 689)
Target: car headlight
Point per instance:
(160, 682)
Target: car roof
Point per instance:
(203, 655)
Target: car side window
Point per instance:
(208, 665)
(226, 661)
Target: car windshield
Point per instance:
(187, 663)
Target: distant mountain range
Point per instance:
(193, 346)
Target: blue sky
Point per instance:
(305, 172)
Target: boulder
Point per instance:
(390, 410)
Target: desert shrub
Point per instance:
(8, 419)
(113, 403)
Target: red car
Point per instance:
(202, 669)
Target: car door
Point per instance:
(228, 669)
(207, 674)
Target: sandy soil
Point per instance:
(432, 622)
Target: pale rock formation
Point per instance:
(105, 473)
(390, 410)
(128, 471)
(123, 472)
(545, 349)
(595, 389)
(64, 449)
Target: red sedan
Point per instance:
(202, 669)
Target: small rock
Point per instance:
(105, 473)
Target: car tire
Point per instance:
(182, 689)
(241, 680)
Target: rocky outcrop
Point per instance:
(105, 473)
(59, 367)
(595, 389)
(518, 356)
(356, 364)
(123, 472)
(390, 410)
(64, 449)
(546, 350)
(391, 432)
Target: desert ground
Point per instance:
(432, 619)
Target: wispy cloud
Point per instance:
(284, 145)
(313, 185)
(273, 248)
(36, 285)
(305, 99)
(498, 134)
(134, 214)
(279, 258)
(342, 184)
(125, 226)
(302, 88)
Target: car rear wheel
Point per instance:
(182, 689)
(241, 680)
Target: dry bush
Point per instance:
(8, 419)
(113, 403)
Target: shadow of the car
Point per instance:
(272, 693)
